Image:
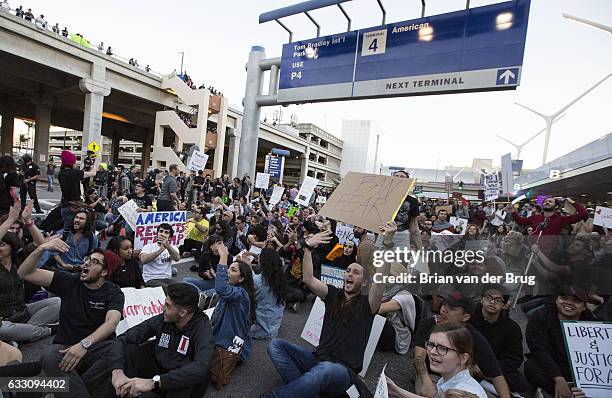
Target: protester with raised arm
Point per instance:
(332, 368)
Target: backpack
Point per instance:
(420, 311)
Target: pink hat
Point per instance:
(68, 158)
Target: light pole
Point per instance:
(550, 119)
(182, 58)
(519, 147)
(586, 21)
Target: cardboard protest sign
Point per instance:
(262, 180)
(277, 195)
(147, 223)
(367, 200)
(332, 275)
(197, 161)
(312, 332)
(603, 216)
(129, 213)
(589, 349)
(306, 191)
(140, 305)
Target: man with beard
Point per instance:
(332, 368)
(548, 222)
(176, 363)
(456, 307)
(90, 311)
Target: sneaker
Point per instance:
(53, 327)
(194, 268)
(174, 271)
(38, 212)
(295, 307)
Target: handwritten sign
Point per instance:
(140, 305)
(314, 324)
(321, 199)
(382, 390)
(332, 275)
(277, 195)
(344, 232)
(589, 349)
(197, 161)
(367, 200)
(262, 180)
(603, 216)
(491, 186)
(129, 213)
(306, 191)
(460, 224)
(147, 223)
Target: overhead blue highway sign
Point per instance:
(476, 49)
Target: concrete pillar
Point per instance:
(41, 133)
(95, 89)
(6, 133)
(146, 154)
(232, 154)
(252, 112)
(220, 148)
(304, 165)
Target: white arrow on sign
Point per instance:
(507, 75)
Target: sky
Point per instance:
(562, 59)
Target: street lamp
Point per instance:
(586, 21)
(182, 58)
(519, 147)
(550, 119)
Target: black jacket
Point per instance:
(545, 341)
(183, 369)
(504, 336)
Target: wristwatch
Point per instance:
(86, 343)
(157, 381)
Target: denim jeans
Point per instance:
(303, 374)
(201, 284)
(50, 182)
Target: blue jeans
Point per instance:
(303, 374)
(50, 182)
(201, 284)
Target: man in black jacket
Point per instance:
(176, 363)
(31, 172)
(503, 334)
(547, 364)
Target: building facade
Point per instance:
(361, 150)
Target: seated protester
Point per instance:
(349, 253)
(399, 307)
(503, 334)
(196, 231)
(217, 216)
(129, 272)
(223, 229)
(547, 365)
(176, 363)
(9, 181)
(19, 321)
(270, 294)
(113, 217)
(449, 349)
(442, 223)
(90, 311)
(321, 224)
(80, 239)
(456, 307)
(242, 233)
(208, 260)
(97, 204)
(141, 198)
(157, 258)
(234, 314)
(332, 368)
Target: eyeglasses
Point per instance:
(494, 300)
(441, 349)
(93, 261)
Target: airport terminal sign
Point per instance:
(479, 49)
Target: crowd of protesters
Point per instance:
(62, 275)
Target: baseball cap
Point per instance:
(575, 291)
(455, 298)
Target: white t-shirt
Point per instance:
(160, 267)
(499, 217)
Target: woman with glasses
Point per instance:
(449, 350)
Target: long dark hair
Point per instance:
(89, 222)
(226, 230)
(272, 272)
(248, 285)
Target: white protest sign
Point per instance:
(344, 232)
(589, 350)
(321, 199)
(277, 195)
(197, 161)
(306, 191)
(312, 332)
(147, 223)
(129, 213)
(262, 180)
(382, 390)
(491, 187)
(140, 305)
(460, 224)
(332, 275)
(603, 216)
